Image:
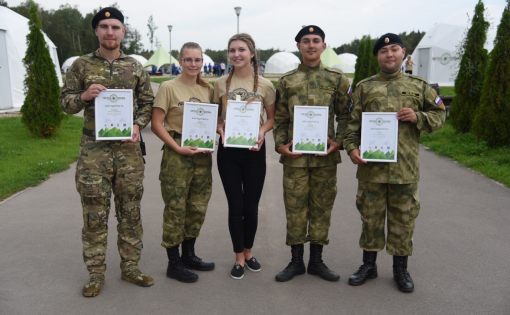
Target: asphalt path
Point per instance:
(460, 264)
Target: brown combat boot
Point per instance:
(94, 285)
(135, 276)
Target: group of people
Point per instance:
(216, 69)
(309, 181)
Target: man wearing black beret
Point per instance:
(309, 180)
(109, 166)
(388, 192)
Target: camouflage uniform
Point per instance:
(309, 181)
(104, 166)
(392, 188)
(186, 187)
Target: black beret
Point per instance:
(107, 13)
(387, 39)
(310, 29)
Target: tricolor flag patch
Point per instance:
(438, 101)
(349, 90)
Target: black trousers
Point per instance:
(242, 174)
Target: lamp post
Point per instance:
(238, 12)
(170, 45)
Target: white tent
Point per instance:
(140, 59)
(281, 62)
(347, 62)
(68, 63)
(13, 35)
(207, 60)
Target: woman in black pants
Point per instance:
(242, 171)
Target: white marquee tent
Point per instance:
(13, 33)
(281, 62)
(347, 62)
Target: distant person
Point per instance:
(185, 175)
(106, 166)
(409, 65)
(388, 192)
(243, 171)
(309, 180)
(209, 69)
(222, 68)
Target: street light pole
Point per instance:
(238, 12)
(170, 45)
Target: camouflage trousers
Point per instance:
(400, 204)
(309, 194)
(103, 167)
(186, 186)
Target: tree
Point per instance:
(366, 64)
(469, 81)
(41, 111)
(152, 29)
(491, 121)
(132, 43)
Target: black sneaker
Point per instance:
(253, 264)
(237, 272)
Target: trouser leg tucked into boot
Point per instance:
(296, 265)
(317, 267)
(176, 269)
(368, 270)
(192, 261)
(401, 276)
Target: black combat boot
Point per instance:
(366, 271)
(176, 269)
(190, 260)
(296, 265)
(317, 267)
(401, 276)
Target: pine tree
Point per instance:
(366, 63)
(469, 81)
(41, 111)
(493, 116)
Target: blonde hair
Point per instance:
(193, 45)
(248, 40)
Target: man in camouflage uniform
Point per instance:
(309, 181)
(104, 166)
(391, 189)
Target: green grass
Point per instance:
(447, 90)
(468, 151)
(27, 161)
(160, 79)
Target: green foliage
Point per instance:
(493, 116)
(469, 81)
(309, 146)
(241, 140)
(26, 160)
(366, 64)
(41, 109)
(378, 154)
(468, 151)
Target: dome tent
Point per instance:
(67, 64)
(281, 62)
(13, 35)
(207, 60)
(347, 62)
(141, 59)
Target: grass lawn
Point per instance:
(26, 161)
(447, 90)
(467, 150)
(160, 80)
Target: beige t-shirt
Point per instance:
(244, 87)
(171, 97)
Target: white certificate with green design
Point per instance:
(242, 124)
(199, 125)
(310, 130)
(379, 137)
(114, 114)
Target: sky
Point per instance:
(273, 24)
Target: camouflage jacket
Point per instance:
(123, 73)
(390, 93)
(311, 86)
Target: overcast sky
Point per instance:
(273, 23)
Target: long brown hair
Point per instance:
(248, 40)
(193, 45)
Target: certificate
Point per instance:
(379, 137)
(310, 129)
(114, 114)
(199, 125)
(242, 124)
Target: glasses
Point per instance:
(191, 60)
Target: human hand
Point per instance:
(92, 92)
